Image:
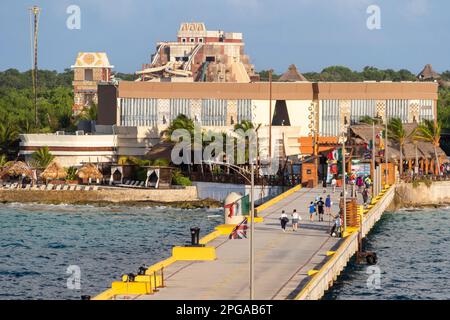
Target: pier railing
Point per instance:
(323, 280)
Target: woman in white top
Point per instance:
(295, 218)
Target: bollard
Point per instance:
(195, 236)
(85, 297)
(162, 277)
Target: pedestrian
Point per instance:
(328, 204)
(312, 210)
(336, 229)
(365, 195)
(320, 208)
(295, 218)
(284, 220)
(333, 184)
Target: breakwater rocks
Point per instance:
(421, 194)
(181, 198)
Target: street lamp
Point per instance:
(252, 214)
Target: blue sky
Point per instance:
(313, 34)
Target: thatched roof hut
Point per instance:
(292, 75)
(54, 171)
(17, 168)
(89, 170)
(428, 74)
(161, 150)
(362, 133)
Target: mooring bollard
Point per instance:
(195, 236)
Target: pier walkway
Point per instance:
(282, 260)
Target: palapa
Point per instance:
(17, 168)
(89, 171)
(54, 171)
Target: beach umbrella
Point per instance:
(18, 168)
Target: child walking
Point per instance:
(312, 210)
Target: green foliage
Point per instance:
(160, 162)
(89, 113)
(3, 160)
(180, 180)
(42, 157)
(264, 75)
(71, 174)
(180, 122)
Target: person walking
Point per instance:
(312, 210)
(365, 195)
(336, 229)
(284, 220)
(295, 219)
(328, 204)
(334, 184)
(320, 208)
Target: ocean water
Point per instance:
(39, 242)
(413, 249)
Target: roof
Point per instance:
(92, 60)
(161, 150)
(428, 73)
(363, 134)
(292, 75)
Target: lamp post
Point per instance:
(252, 216)
(344, 182)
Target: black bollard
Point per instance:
(195, 236)
(85, 297)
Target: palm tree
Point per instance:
(42, 157)
(430, 131)
(180, 122)
(8, 135)
(3, 160)
(397, 132)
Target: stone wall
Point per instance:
(406, 195)
(115, 195)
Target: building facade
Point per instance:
(298, 111)
(90, 69)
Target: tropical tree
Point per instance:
(430, 131)
(3, 160)
(396, 131)
(89, 113)
(180, 122)
(42, 157)
(8, 135)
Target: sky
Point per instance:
(312, 34)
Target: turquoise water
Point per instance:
(413, 249)
(39, 242)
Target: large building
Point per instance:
(90, 69)
(199, 54)
(141, 111)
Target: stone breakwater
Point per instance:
(107, 196)
(409, 195)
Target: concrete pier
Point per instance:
(288, 265)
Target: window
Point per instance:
(192, 39)
(88, 75)
(183, 40)
(200, 40)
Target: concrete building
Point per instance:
(71, 150)
(90, 69)
(200, 55)
(140, 111)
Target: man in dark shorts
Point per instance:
(320, 207)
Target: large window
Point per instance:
(361, 109)
(180, 106)
(244, 110)
(138, 112)
(426, 110)
(330, 118)
(397, 109)
(89, 75)
(214, 112)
